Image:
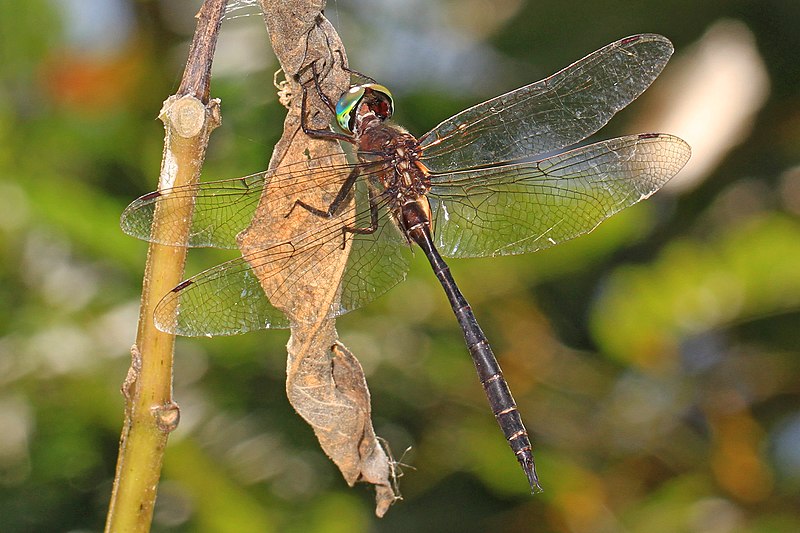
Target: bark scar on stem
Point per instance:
(128, 387)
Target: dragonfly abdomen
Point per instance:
(494, 384)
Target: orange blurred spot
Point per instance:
(736, 461)
(93, 82)
(582, 505)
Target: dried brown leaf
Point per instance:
(325, 383)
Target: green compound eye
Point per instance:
(346, 104)
(379, 101)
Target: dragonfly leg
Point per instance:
(322, 96)
(341, 196)
(317, 133)
(354, 72)
(373, 220)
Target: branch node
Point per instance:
(187, 114)
(167, 416)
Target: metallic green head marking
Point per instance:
(377, 97)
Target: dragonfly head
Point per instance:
(361, 100)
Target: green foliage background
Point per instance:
(655, 361)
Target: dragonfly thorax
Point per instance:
(401, 177)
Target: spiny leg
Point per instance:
(373, 220)
(355, 72)
(341, 196)
(322, 96)
(320, 133)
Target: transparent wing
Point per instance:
(229, 299)
(224, 300)
(550, 114)
(223, 208)
(526, 207)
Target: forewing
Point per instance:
(223, 208)
(552, 113)
(526, 207)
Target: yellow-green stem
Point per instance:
(150, 413)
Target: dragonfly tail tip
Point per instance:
(529, 468)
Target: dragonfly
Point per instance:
(498, 178)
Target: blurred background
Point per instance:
(655, 361)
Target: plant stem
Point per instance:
(150, 412)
